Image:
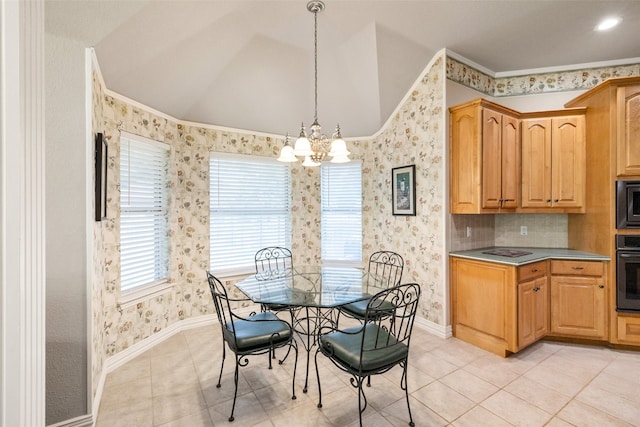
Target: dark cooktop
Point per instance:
(509, 253)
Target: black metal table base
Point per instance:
(307, 327)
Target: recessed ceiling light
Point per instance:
(608, 23)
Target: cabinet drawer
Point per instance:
(577, 268)
(531, 271)
(629, 330)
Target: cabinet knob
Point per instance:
(601, 286)
(534, 270)
(548, 200)
(556, 200)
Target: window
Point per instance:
(250, 209)
(341, 216)
(143, 213)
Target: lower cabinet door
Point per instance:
(578, 306)
(533, 311)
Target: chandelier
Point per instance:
(315, 146)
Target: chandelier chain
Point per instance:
(315, 57)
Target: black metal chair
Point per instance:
(259, 333)
(386, 267)
(273, 262)
(377, 345)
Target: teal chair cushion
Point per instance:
(277, 307)
(357, 309)
(261, 330)
(381, 348)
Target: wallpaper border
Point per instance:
(538, 83)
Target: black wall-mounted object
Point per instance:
(100, 156)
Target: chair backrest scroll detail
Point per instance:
(274, 260)
(387, 266)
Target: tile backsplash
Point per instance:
(543, 230)
(472, 231)
(478, 231)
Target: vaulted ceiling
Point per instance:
(249, 64)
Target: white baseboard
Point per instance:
(434, 328)
(126, 355)
(82, 421)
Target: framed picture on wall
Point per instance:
(100, 177)
(403, 190)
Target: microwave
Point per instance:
(627, 204)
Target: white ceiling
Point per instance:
(249, 64)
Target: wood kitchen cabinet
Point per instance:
(613, 152)
(485, 158)
(495, 306)
(484, 306)
(628, 329)
(578, 299)
(553, 162)
(533, 303)
(628, 123)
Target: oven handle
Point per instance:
(629, 255)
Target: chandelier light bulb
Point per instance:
(286, 154)
(303, 146)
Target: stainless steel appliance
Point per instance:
(627, 204)
(628, 272)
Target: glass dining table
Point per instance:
(313, 293)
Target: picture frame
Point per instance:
(100, 155)
(403, 190)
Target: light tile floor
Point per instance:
(451, 383)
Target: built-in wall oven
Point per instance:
(627, 204)
(628, 272)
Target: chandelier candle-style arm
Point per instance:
(315, 146)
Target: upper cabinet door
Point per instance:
(500, 160)
(510, 162)
(491, 159)
(536, 163)
(628, 126)
(465, 157)
(568, 161)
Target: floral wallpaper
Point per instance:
(464, 74)
(415, 135)
(97, 316)
(561, 81)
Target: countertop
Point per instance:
(533, 255)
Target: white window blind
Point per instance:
(143, 212)
(341, 216)
(250, 209)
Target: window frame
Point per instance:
(150, 289)
(336, 262)
(249, 267)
